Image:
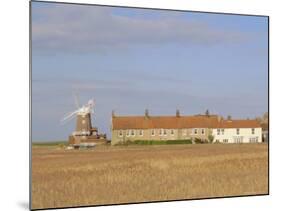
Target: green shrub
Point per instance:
(211, 138)
(198, 141)
(162, 142)
(124, 143)
(179, 141)
(61, 145)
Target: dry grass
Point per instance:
(109, 175)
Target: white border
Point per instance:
(14, 82)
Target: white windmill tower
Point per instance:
(83, 119)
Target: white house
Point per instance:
(178, 127)
(237, 131)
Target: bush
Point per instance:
(61, 146)
(211, 138)
(179, 142)
(162, 142)
(198, 141)
(123, 143)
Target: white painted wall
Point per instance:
(230, 134)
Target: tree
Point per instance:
(265, 117)
(259, 119)
(211, 138)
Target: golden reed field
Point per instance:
(126, 174)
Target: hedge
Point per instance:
(162, 142)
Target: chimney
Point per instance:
(146, 113)
(178, 113)
(113, 114)
(207, 113)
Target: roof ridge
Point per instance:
(134, 122)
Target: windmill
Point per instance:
(84, 135)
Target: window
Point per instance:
(217, 140)
(218, 131)
(203, 131)
(160, 132)
(153, 132)
(253, 130)
(132, 132)
(237, 131)
(222, 131)
(238, 139)
(128, 133)
(225, 140)
(195, 131)
(164, 132)
(253, 140)
(141, 132)
(172, 132)
(120, 133)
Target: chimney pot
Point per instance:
(146, 113)
(113, 114)
(178, 113)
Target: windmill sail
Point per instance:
(69, 116)
(84, 132)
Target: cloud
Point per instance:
(69, 28)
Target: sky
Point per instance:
(130, 60)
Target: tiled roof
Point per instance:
(238, 124)
(166, 122)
